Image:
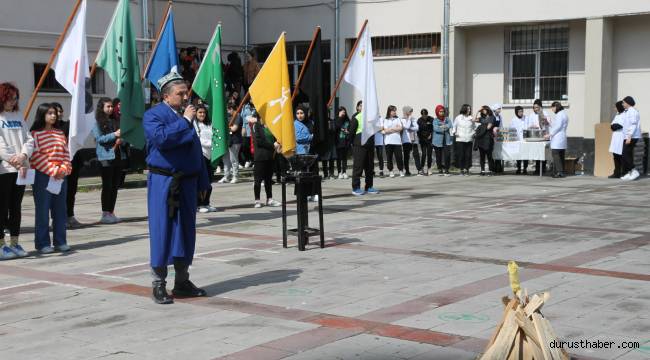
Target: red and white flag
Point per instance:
(71, 71)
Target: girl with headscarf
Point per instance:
(442, 140)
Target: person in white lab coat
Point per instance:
(518, 123)
(632, 131)
(538, 119)
(618, 138)
(557, 135)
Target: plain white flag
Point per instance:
(71, 71)
(361, 75)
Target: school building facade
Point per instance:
(584, 53)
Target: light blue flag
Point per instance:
(164, 58)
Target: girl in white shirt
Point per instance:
(618, 138)
(203, 128)
(519, 123)
(392, 131)
(463, 129)
(538, 119)
(16, 147)
(410, 140)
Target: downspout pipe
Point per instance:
(246, 25)
(445, 55)
(337, 43)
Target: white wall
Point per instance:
(482, 80)
(195, 21)
(484, 58)
(631, 75)
(512, 11)
(576, 81)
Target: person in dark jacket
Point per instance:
(265, 147)
(484, 139)
(363, 156)
(330, 155)
(343, 141)
(425, 134)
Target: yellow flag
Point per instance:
(271, 94)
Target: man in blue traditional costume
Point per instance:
(176, 178)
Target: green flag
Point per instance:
(119, 58)
(208, 85)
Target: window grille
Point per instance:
(402, 45)
(537, 60)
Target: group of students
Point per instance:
(43, 149)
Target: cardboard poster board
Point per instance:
(603, 160)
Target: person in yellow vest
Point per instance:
(363, 156)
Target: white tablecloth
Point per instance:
(520, 150)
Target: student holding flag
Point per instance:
(360, 73)
(118, 57)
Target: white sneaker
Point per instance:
(223, 180)
(115, 218)
(247, 164)
(204, 210)
(627, 176)
(234, 180)
(240, 166)
(258, 204)
(107, 219)
(314, 198)
(272, 203)
(634, 174)
(345, 176)
(340, 175)
(401, 174)
(218, 171)
(391, 174)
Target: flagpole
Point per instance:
(296, 89)
(241, 105)
(347, 63)
(155, 46)
(55, 52)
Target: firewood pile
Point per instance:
(523, 333)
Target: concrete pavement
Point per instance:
(416, 272)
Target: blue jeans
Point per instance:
(44, 202)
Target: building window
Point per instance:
(402, 45)
(50, 85)
(296, 53)
(537, 59)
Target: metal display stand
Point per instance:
(306, 184)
